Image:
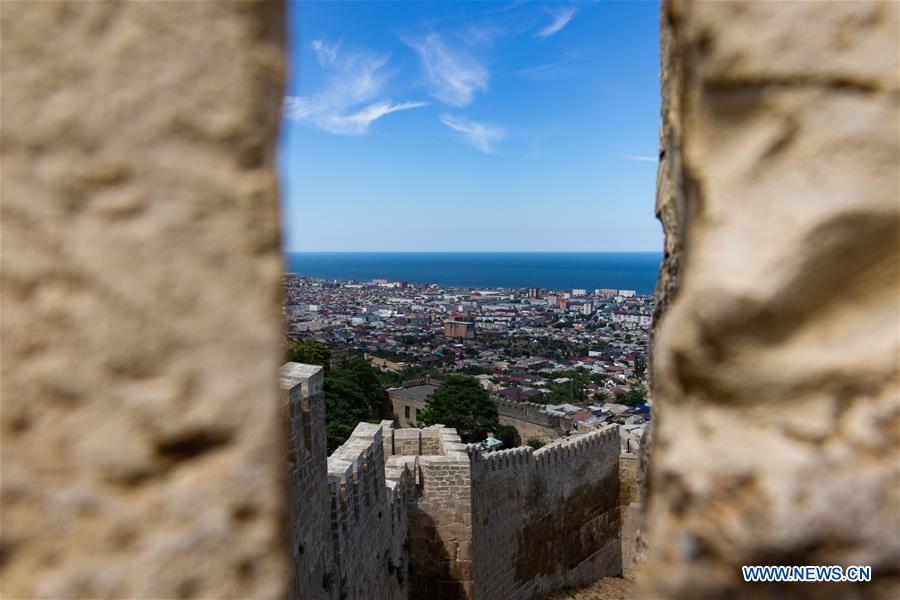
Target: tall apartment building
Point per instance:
(464, 330)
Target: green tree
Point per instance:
(345, 407)
(353, 393)
(508, 435)
(462, 403)
(571, 391)
(640, 366)
(534, 442)
(416, 372)
(635, 395)
(367, 379)
(310, 352)
(599, 378)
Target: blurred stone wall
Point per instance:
(141, 333)
(775, 352)
(630, 510)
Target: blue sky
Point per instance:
(418, 126)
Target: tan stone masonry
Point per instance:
(146, 454)
(415, 513)
(141, 281)
(775, 355)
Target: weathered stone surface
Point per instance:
(547, 519)
(630, 510)
(775, 362)
(141, 283)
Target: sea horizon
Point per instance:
(471, 252)
(554, 270)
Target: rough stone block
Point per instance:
(141, 446)
(775, 360)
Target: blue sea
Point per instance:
(548, 270)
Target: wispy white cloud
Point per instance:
(358, 78)
(638, 157)
(358, 122)
(297, 108)
(326, 53)
(481, 34)
(561, 17)
(453, 76)
(480, 135)
(550, 71)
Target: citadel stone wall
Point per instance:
(141, 280)
(412, 442)
(440, 528)
(775, 357)
(546, 519)
(530, 420)
(440, 521)
(347, 513)
(387, 515)
(630, 511)
(417, 513)
(308, 530)
(368, 520)
(140, 331)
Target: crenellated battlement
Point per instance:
(531, 411)
(430, 441)
(531, 420)
(356, 476)
(365, 519)
(502, 459)
(398, 479)
(142, 453)
(597, 439)
(520, 407)
(526, 499)
(419, 381)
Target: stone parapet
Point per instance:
(545, 519)
(417, 513)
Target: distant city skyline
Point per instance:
(471, 127)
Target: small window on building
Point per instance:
(406, 411)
